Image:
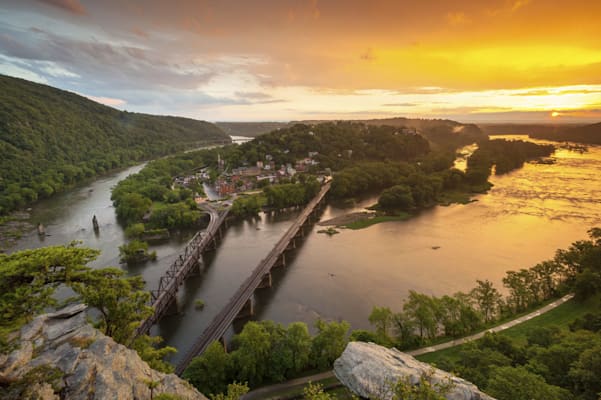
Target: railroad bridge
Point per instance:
(241, 304)
(183, 266)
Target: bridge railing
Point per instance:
(180, 268)
(222, 321)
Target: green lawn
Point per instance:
(561, 316)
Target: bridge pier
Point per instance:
(266, 282)
(281, 261)
(291, 244)
(248, 309)
(223, 343)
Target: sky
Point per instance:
(281, 60)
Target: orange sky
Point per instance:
(487, 60)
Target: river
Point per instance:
(525, 217)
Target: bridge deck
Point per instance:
(179, 270)
(224, 319)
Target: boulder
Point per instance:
(89, 365)
(369, 370)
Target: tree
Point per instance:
(29, 278)
(381, 318)
(316, 392)
(519, 293)
(425, 389)
(329, 342)
(397, 198)
(585, 373)
(457, 315)
(298, 340)
(136, 251)
(488, 298)
(404, 327)
(251, 357)
(209, 371)
(132, 207)
(234, 392)
(509, 383)
(422, 309)
(121, 301)
(546, 274)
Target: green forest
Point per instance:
(50, 139)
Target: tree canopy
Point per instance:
(50, 139)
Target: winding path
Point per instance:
(265, 391)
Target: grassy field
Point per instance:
(561, 316)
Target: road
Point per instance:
(266, 391)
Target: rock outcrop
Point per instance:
(369, 370)
(60, 356)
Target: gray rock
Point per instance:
(369, 370)
(93, 365)
(55, 328)
(33, 329)
(68, 312)
(17, 360)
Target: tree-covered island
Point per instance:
(283, 169)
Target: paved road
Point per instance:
(265, 391)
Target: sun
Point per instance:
(555, 114)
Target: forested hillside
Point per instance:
(50, 138)
(590, 134)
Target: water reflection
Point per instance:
(526, 216)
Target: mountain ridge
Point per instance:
(51, 138)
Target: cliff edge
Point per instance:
(61, 356)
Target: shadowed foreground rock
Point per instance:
(368, 370)
(85, 363)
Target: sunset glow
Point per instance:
(493, 60)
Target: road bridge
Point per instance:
(241, 303)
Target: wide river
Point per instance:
(525, 217)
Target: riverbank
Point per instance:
(363, 219)
(564, 309)
(13, 227)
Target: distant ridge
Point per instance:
(589, 134)
(51, 138)
(441, 132)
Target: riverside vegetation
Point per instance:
(29, 279)
(363, 159)
(553, 365)
(51, 139)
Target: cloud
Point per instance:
(517, 4)
(399, 105)
(457, 18)
(139, 32)
(56, 70)
(109, 101)
(72, 6)
(256, 98)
